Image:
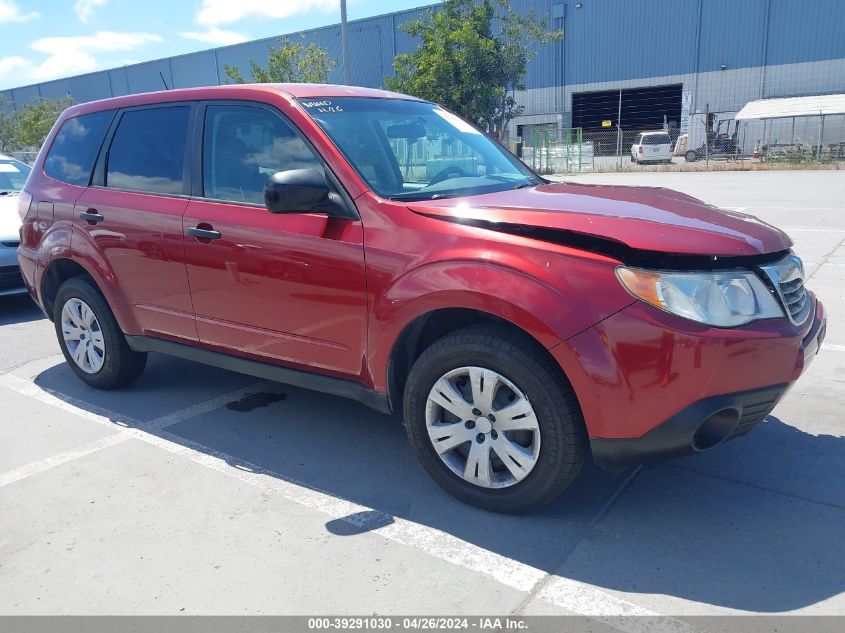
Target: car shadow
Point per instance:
(18, 309)
(677, 529)
(755, 524)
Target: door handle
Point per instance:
(92, 215)
(205, 234)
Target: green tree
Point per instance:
(34, 121)
(292, 62)
(472, 59)
(7, 128)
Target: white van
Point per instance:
(651, 146)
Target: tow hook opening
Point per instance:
(715, 429)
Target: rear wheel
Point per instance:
(690, 156)
(90, 337)
(493, 420)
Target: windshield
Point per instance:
(13, 174)
(412, 150)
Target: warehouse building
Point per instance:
(638, 64)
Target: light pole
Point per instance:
(344, 43)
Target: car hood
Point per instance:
(641, 218)
(10, 221)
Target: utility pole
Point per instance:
(619, 132)
(344, 42)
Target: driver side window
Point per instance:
(243, 146)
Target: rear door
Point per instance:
(132, 214)
(283, 287)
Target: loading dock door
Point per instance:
(642, 108)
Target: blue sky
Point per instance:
(47, 39)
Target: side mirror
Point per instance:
(295, 191)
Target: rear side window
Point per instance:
(656, 139)
(147, 152)
(72, 155)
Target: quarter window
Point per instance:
(73, 152)
(147, 152)
(242, 146)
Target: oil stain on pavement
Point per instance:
(254, 401)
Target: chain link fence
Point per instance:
(550, 152)
(712, 140)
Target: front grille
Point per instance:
(10, 277)
(787, 277)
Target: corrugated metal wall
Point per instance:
(605, 41)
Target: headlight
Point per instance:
(723, 299)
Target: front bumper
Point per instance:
(700, 426)
(653, 386)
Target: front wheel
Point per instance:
(90, 337)
(493, 420)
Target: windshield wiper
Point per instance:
(6, 193)
(419, 197)
(519, 185)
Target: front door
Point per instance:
(133, 216)
(287, 288)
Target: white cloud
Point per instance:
(99, 41)
(216, 36)
(215, 12)
(65, 56)
(85, 8)
(13, 62)
(11, 12)
(73, 55)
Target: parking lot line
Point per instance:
(596, 605)
(66, 403)
(129, 427)
(39, 466)
(809, 229)
(833, 347)
(572, 595)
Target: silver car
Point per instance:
(13, 175)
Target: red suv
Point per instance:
(376, 246)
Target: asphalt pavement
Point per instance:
(200, 491)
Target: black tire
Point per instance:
(691, 156)
(521, 360)
(121, 365)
